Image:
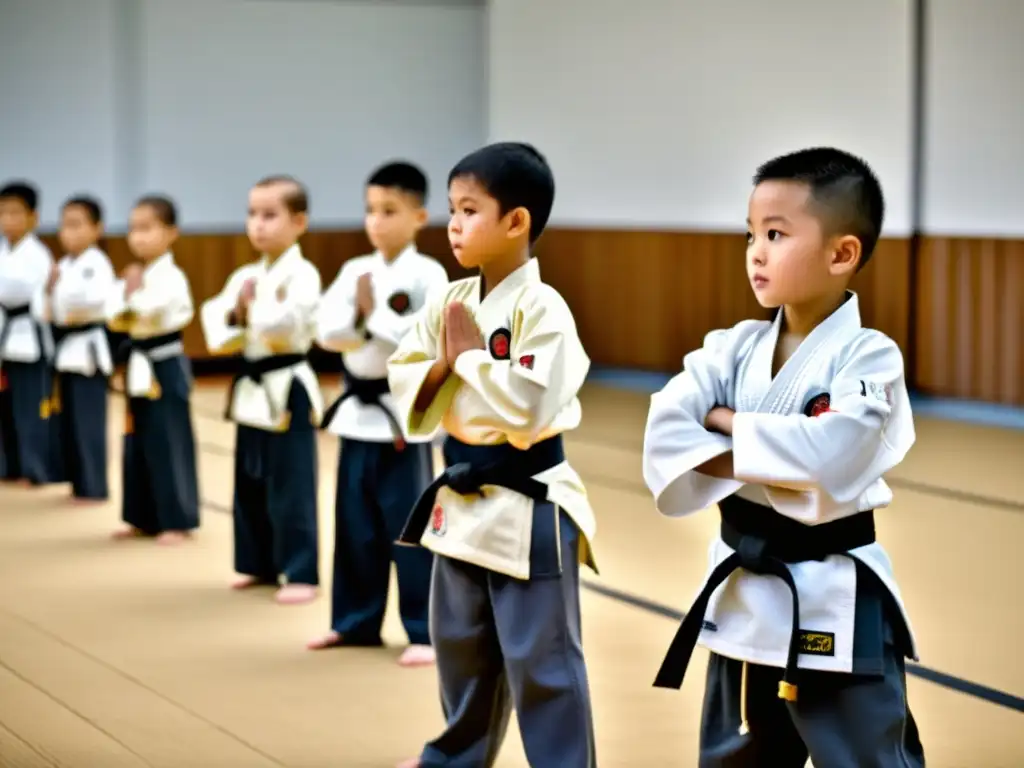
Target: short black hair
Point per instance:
(23, 192)
(843, 188)
(516, 175)
(163, 208)
(90, 205)
(296, 196)
(403, 176)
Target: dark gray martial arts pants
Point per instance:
(503, 642)
(839, 720)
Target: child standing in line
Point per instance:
(153, 303)
(75, 304)
(27, 450)
(267, 311)
(364, 315)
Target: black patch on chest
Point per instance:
(399, 302)
(817, 643)
(500, 344)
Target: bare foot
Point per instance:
(412, 762)
(127, 533)
(330, 640)
(172, 538)
(296, 594)
(246, 582)
(417, 656)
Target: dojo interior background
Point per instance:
(654, 115)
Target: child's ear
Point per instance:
(846, 251)
(518, 222)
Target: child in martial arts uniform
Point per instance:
(497, 360)
(789, 425)
(75, 305)
(371, 305)
(267, 311)
(153, 303)
(28, 452)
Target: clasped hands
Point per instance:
(459, 333)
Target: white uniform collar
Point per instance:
(29, 238)
(525, 275)
(160, 262)
(402, 256)
(284, 263)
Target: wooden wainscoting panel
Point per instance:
(969, 323)
(642, 299)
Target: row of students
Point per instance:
(56, 360)
(788, 425)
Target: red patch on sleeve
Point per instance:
(526, 361)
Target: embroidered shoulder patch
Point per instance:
(438, 522)
(500, 344)
(881, 392)
(399, 302)
(818, 405)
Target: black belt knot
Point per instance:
(368, 392)
(763, 542)
(470, 467)
(254, 370)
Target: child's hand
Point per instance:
(132, 276)
(719, 419)
(461, 332)
(364, 295)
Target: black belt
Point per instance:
(62, 332)
(145, 345)
(470, 467)
(764, 541)
(254, 371)
(11, 313)
(368, 392)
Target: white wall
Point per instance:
(57, 82)
(655, 117)
(974, 134)
(658, 116)
(198, 98)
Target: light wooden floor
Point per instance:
(130, 654)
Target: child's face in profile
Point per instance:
(476, 230)
(789, 258)
(16, 220)
(393, 219)
(148, 237)
(271, 227)
(77, 229)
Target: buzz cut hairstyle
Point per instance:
(516, 175)
(162, 207)
(845, 194)
(90, 205)
(403, 176)
(23, 192)
(295, 195)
